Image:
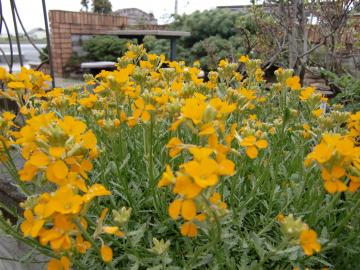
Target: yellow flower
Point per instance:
(203, 172)
(186, 208)
(259, 73)
(317, 112)
(16, 85)
(59, 234)
(215, 199)
(321, 153)
(106, 253)
(28, 172)
(39, 159)
(62, 264)
(248, 94)
(175, 145)
(306, 93)
(71, 126)
(167, 178)
(293, 82)
(194, 109)
(95, 191)
(8, 116)
(89, 140)
(2, 73)
(55, 203)
(244, 59)
(354, 183)
(200, 153)
(89, 101)
(222, 107)
(332, 183)
(57, 151)
(223, 63)
(188, 229)
(57, 172)
(142, 110)
(81, 245)
(186, 187)
(32, 225)
(113, 230)
(309, 243)
(252, 144)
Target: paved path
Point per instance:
(11, 253)
(63, 83)
(11, 250)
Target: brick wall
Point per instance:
(65, 23)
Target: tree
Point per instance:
(214, 36)
(302, 38)
(85, 4)
(102, 6)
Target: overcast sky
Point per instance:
(31, 10)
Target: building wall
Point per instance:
(65, 24)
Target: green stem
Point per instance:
(346, 219)
(90, 239)
(150, 154)
(13, 170)
(328, 207)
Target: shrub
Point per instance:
(348, 90)
(104, 48)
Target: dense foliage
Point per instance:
(98, 6)
(215, 35)
(348, 87)
(147, 167)
(104, 48)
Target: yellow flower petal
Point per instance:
(89, 140)
(56, 152)
(251, 152)
(188, 210)
(174, 208)
(145, 116)
(60, 169)
(262, 144)
(188, 229)
(39, 159)
(248, 141)
(106, 253)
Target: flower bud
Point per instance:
(122, 216)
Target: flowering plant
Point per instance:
(208, 166)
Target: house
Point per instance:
(37, 33)
(136, 16)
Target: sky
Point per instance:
(32, 16)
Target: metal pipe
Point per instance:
(16, 32)
(48, 43)
(172, 49)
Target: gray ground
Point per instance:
(14, 255)
(63, 83)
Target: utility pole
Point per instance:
(176, 7)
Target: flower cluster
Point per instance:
(298, 232)
(24, 86)
(58, 152)
(338, 158)
(195, 182)
(6, 123)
